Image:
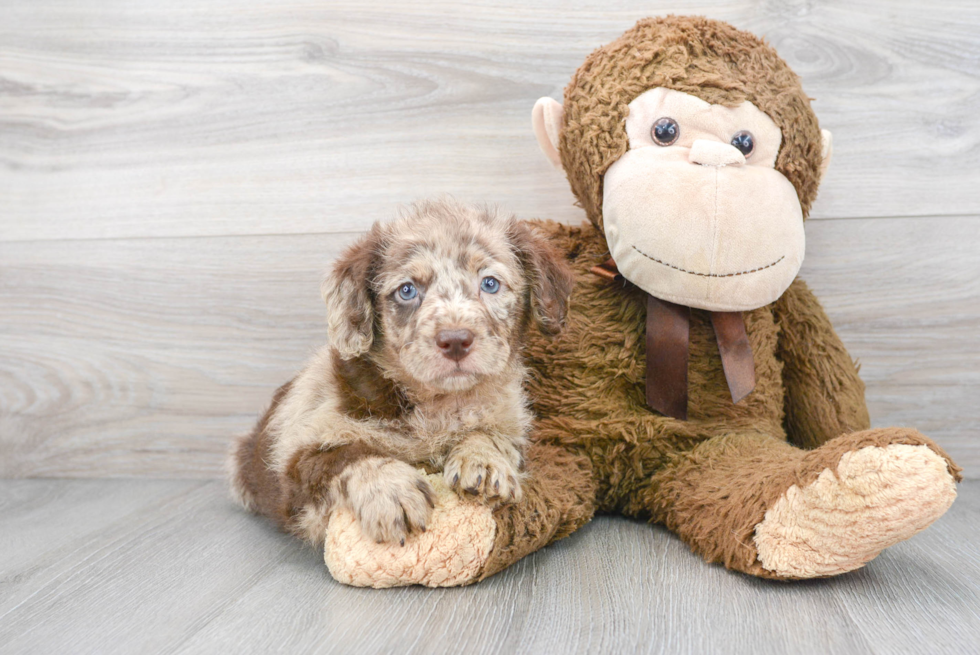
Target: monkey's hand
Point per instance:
(390, 498)
(485, 467)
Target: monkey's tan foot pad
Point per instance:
(451, 552)
(838, 523)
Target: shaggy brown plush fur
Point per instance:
(598, 446)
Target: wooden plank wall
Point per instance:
(175, 177)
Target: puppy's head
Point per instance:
(442, 296)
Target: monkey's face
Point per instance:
(695, 212)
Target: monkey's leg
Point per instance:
(467, 541)
(763, 507)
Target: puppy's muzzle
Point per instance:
(455, 344)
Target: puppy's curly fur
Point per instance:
(427, 316)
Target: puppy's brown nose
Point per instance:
(454, 344)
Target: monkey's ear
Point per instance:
(546, 119)
(347, 293)
(826, 150)
(549, 277)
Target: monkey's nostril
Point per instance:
(455, 344)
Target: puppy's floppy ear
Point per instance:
(349, 298)
(549, 277)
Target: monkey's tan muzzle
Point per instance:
(700, 229)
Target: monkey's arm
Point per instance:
(559, 498)
(824, 395)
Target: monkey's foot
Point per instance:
(452, 551)
(878, 496)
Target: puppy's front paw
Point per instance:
(390, 498)
(477, 466)
(453, 551)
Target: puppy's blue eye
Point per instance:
(490, 284)
(407, 291)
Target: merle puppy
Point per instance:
(426, 319)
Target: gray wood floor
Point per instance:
(98, 566)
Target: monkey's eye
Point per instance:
(665, 131)
(744, 142)
(490, 284)
(407, 291)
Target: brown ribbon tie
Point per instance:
(736, 353)
(668, 338)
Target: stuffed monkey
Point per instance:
(699, 383)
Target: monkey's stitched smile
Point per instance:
(684, 270)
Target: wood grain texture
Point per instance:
(910, 316)
(134, 118)
(175, 567)
(144, 356)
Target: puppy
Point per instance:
(426, 319)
